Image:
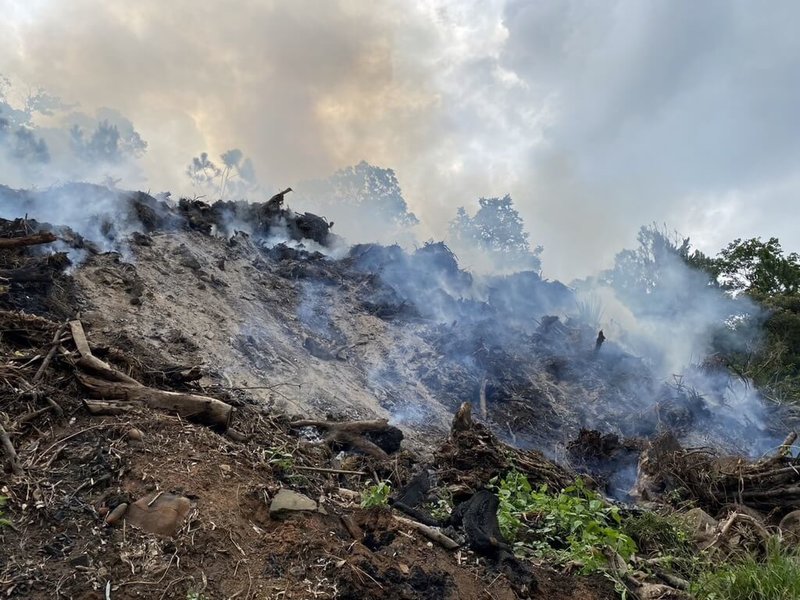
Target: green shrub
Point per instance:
(376, 495)
(575, 525)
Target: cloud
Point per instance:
(597, 118)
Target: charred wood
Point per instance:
(374, 438)
(29, 240)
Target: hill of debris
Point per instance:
(156, 357)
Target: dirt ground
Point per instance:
(228, 546)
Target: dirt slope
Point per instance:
(204, 528)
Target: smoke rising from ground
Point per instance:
(595, 118)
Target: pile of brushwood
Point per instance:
(770, 485)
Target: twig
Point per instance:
(9, 448)
(429, 532)
(323, 470)
(53, 347)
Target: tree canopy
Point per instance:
(496, 229)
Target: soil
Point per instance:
(229, 546)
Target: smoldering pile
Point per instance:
(511, 345)
(99, 219)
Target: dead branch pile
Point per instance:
(770, 485)
(37, 369)
(473, 455)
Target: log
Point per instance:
(107, 372)
(431, 533)
(29, 240)
(102, 407)
(76, 327)
(463, 419)
(23, 274)
(115, 385)
(201, 408)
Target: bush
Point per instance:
(575, 525)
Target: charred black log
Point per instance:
(478, 517)
(600, 339)
(415, 492)
(29, 240)
(275, 203)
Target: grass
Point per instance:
(775, 577)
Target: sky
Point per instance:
(597, 117)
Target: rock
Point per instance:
(790, 528)
(134, 435)
(159, 513)
(82, 560)
(187, 259)
(141, 239)
(289, 501)
(702, 526)
(115, 515)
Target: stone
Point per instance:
(157, 513)
(289, 501)
(135, 435)
(115, 515)
(790, 528)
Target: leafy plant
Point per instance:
(574, 525)
(280, 459)
(441, 508)
(376, 495)
(656, 534)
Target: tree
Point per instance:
(497, 230)
(651, 266)
(106, 144)
(759, 268)
(17, 136)
(235, 177)
(365, 187)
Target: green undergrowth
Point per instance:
(577, 527)
(776, 576)
(574, 525)
(376, 495)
